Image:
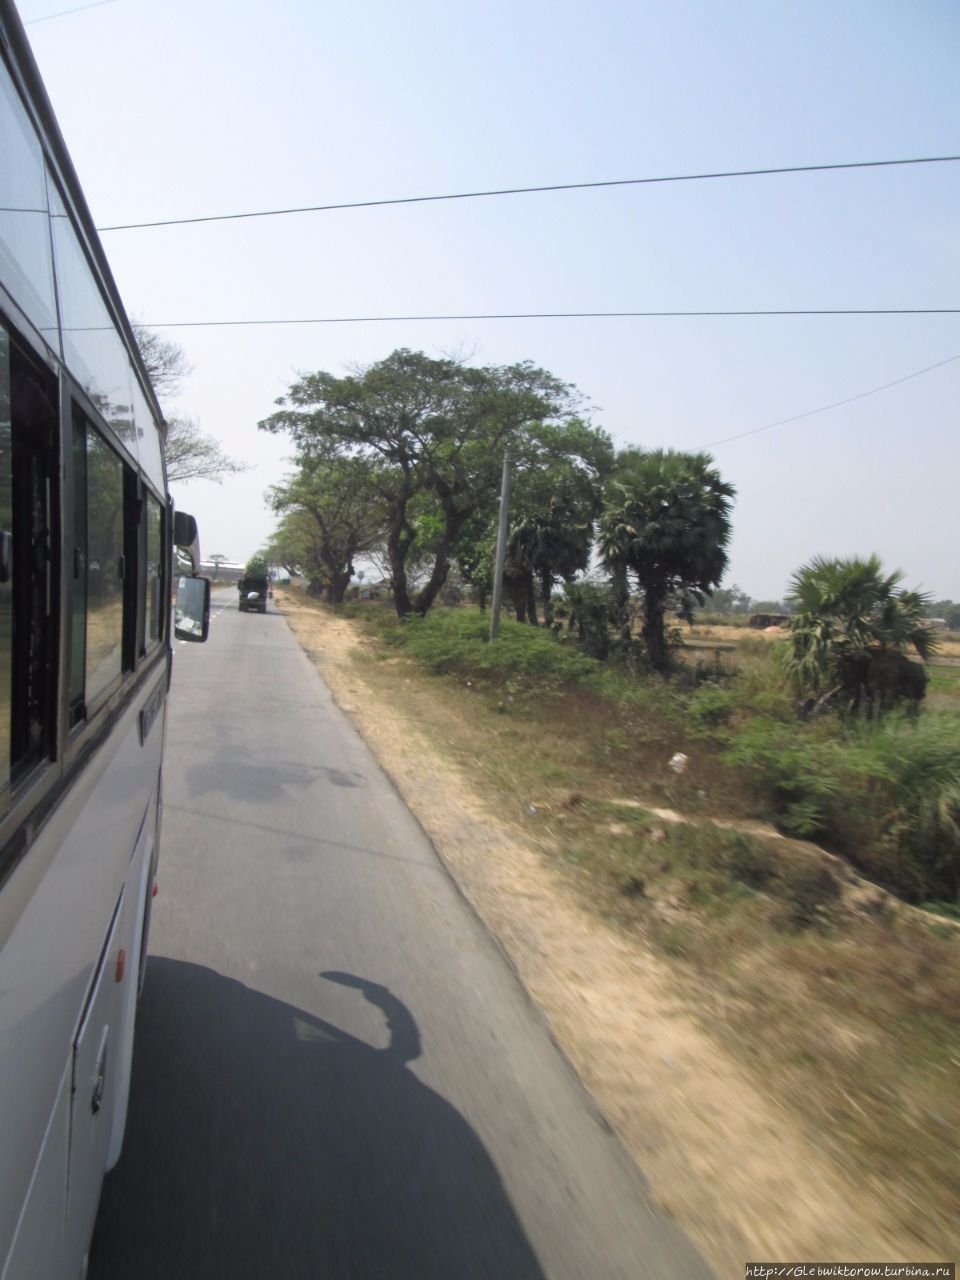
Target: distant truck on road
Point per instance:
(254, 586)
(253, 595)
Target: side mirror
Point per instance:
(191, 618)
(184, 529)
(186, 541)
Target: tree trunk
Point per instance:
(513, 587)
(531, 599)
(454, 520)
(653, 628)
(438, 576)
(546, 595)
(339, 582)
(621, 603)
(399, 538)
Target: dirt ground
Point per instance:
(721, 1155)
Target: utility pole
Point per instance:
(501, 547)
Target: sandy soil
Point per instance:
(721, 1155)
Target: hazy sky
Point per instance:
(209, 106)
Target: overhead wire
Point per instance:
(559, 315)
(836, 404)
(515, 191)
(63, 13)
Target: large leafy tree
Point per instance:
(556, 497)
(436, 429)
(332, 512)
(666, 524)
(852, 633)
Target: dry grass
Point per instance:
(848, 1017)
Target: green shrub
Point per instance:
(711, 707)
(886, 794)
(589, 612)
(457, 641)
(916, 767)
(801, 772)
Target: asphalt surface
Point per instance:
(336, 1073)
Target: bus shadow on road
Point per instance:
(262, 1141)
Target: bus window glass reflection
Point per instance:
(6, 594)
(104, 631)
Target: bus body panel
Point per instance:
(102, 831)
(87, 531)
(143, 859)
(92, 1092)
(38, 1247)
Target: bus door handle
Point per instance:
(99, 1076)
(6, 546)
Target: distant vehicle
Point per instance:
(87, 562)
(253, 595)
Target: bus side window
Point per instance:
(106, 532)
(154, 572)
(77, 562)
(6, 538)
(28, 502)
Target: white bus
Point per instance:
(87, 537)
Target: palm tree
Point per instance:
(545, 546)
(852, 634)
(666, 521)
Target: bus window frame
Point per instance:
(96, 714)
(146, 645)
(24, 796)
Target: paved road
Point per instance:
(336, 1073)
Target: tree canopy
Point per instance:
(433, 432)
(666, 521)
(852, 632)
(331, 512)
(556, 496)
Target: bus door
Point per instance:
(95, 1072)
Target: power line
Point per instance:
(836, 404)
(97, 4)
(516, 191)
(558, 315)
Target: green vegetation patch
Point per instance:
(457, 641)
(883, 793)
